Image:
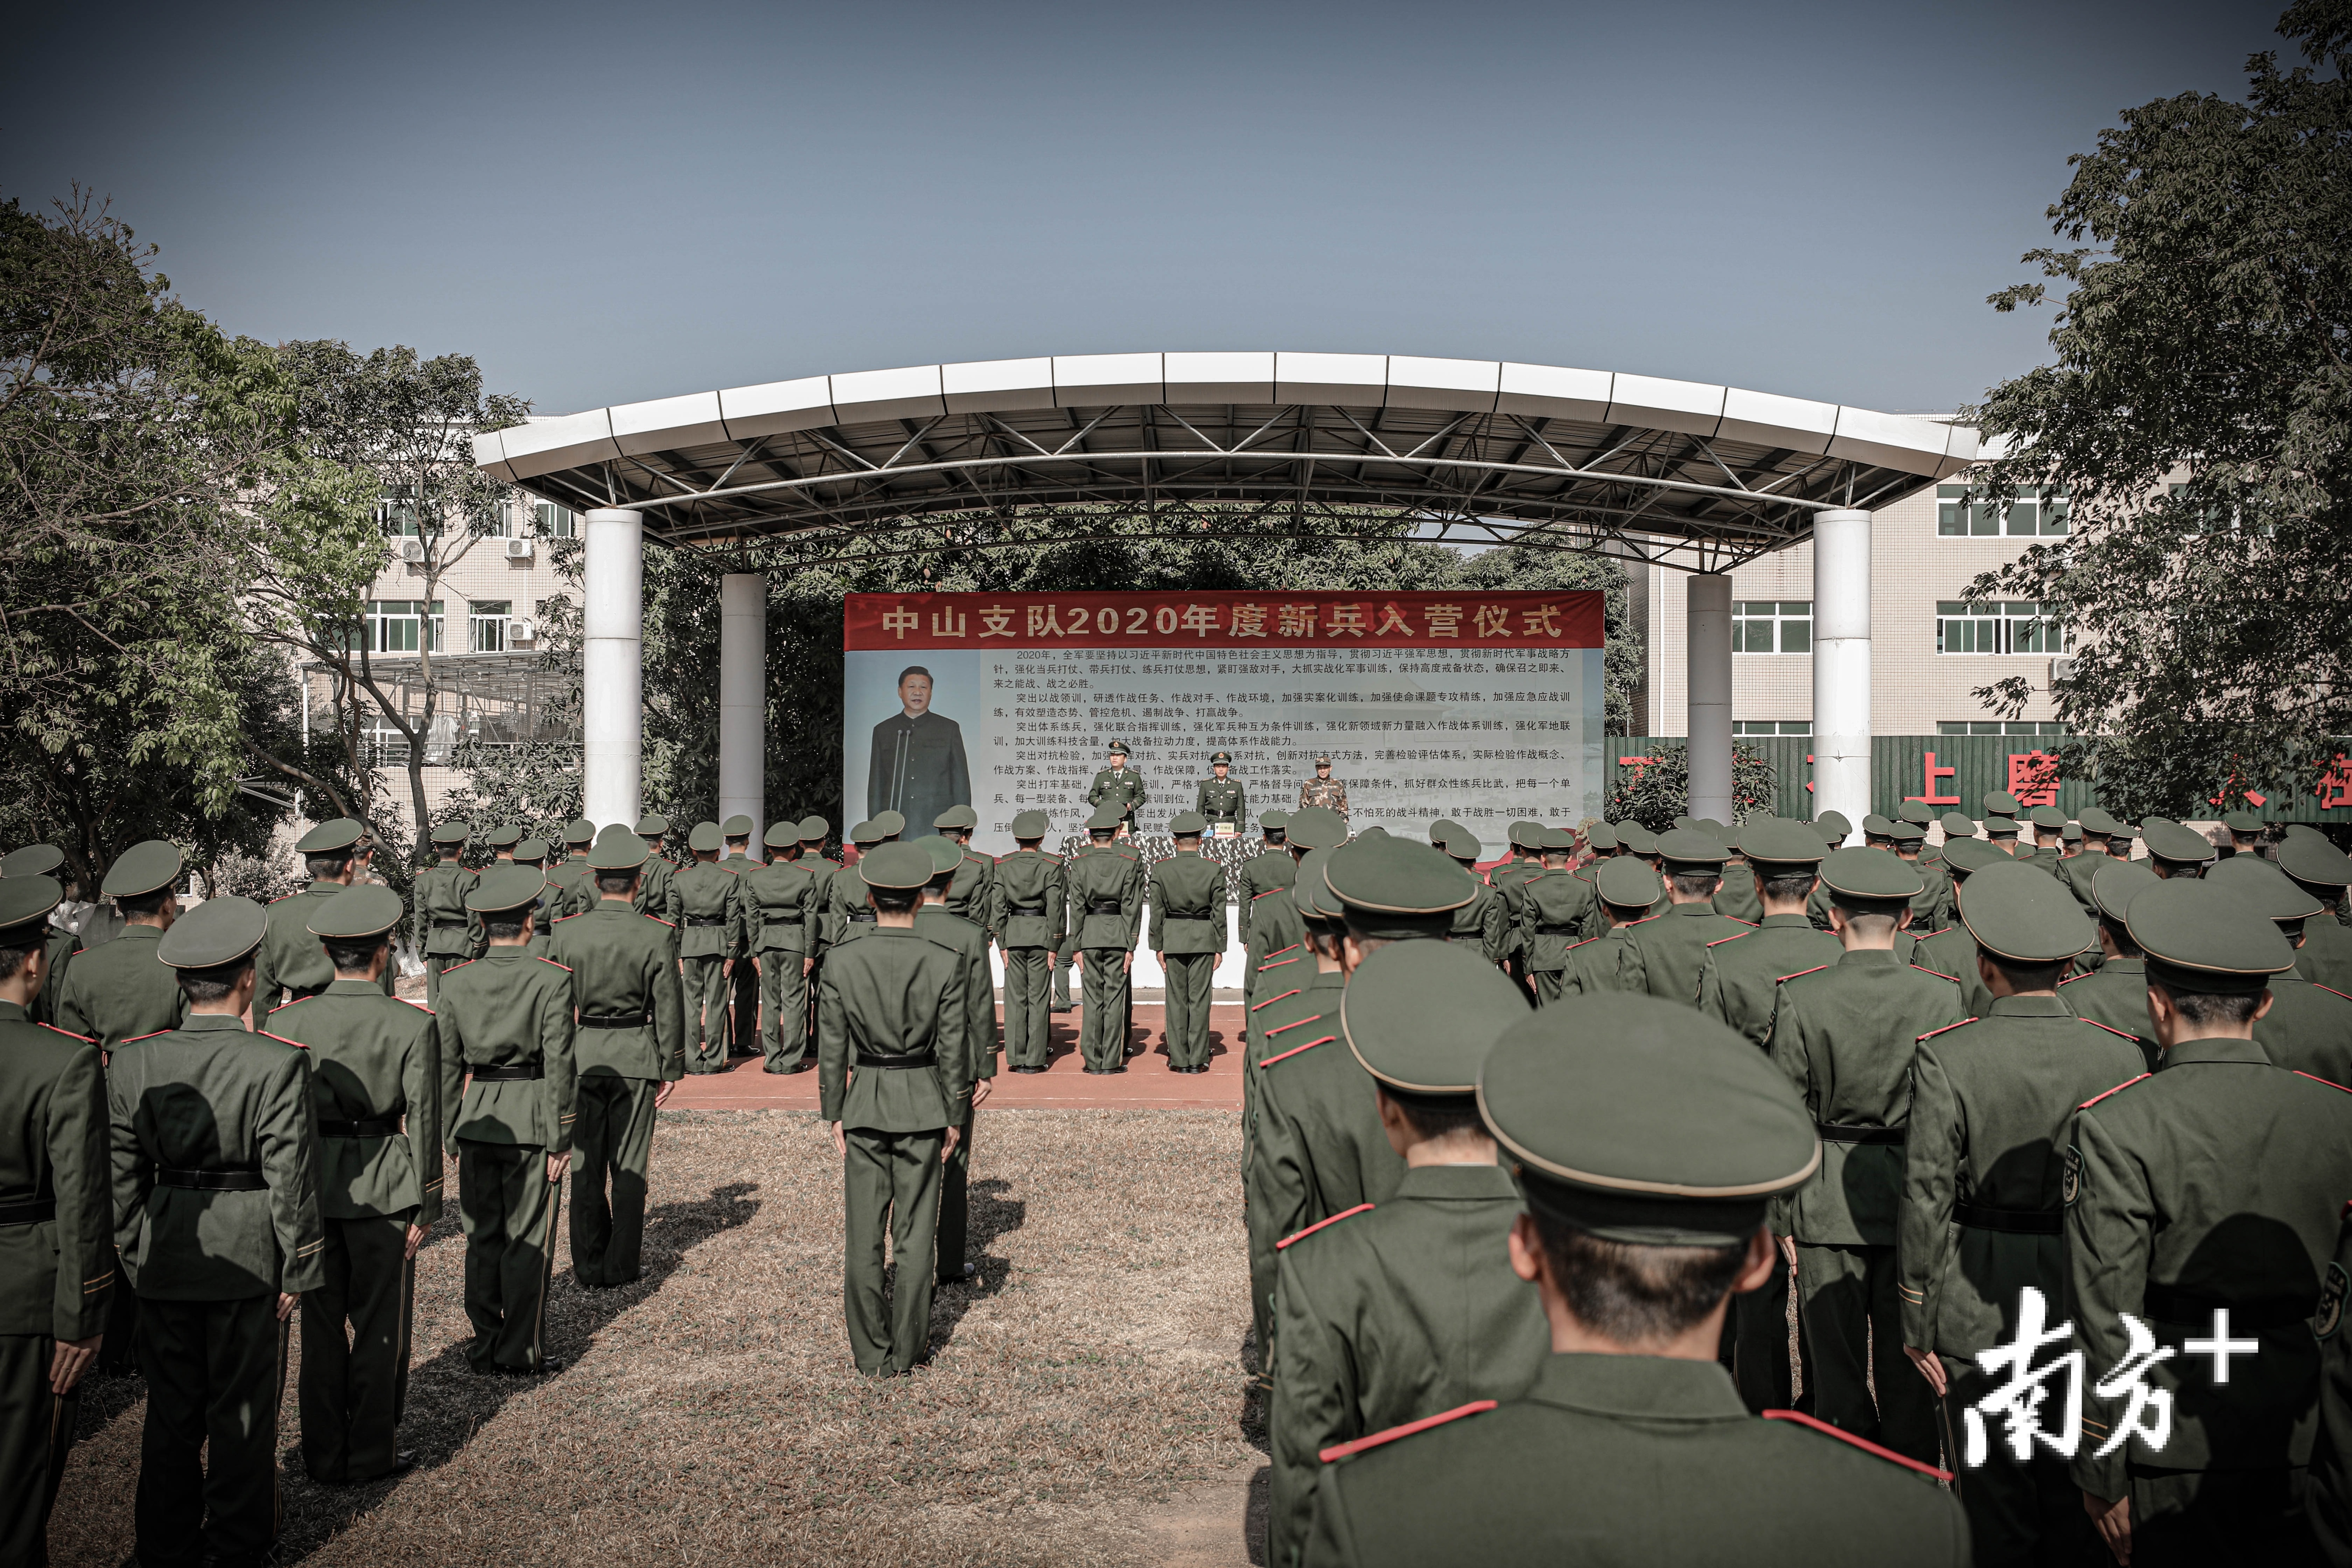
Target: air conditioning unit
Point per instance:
(2061, 668)
(412, 550)
(518, 549)
(519, 629)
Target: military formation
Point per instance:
(1638, 1195)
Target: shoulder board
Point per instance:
(1865, 1444)
(1274, 963)
(2109, 1028)
(1937, 973)
(1271, 1000)
(1296, 1049)
(1348, 1450)
(1056, 859)
(89, 1040)
(658, 920)
(2317, 1079)
(1629, 925)
(2332, 991)
(1735, 920)
(2068, 981)
(283, 1040)
(730, 873)
(1267, 894)
(552, 964)
(133, 1039)
(1735, 936)
(561, 919)
(1933, 934)
(1320, 1224)
(1933, 1033)
(2117, 1090)
(283, 897)
(1816, 969)
(1292, 1025)
(418, 1006)
(1587, 942)
(454, 968)
(299, 1000)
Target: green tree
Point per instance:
(1655, 792)
(2197, 414)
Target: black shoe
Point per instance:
(1028, 1069)
(970, 1272)
(548, 1367)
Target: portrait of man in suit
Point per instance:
(919, 768)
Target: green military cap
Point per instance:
(1637, 838)
(1526, 835)
(1709, 824)
(1463, 846)
(25, 901)
(2241, 822)
(2072, 833)
(1628, 883)
(704, 837)
(1691, 846)
(1956, 825)
(2170, 842)
(813, 829)
(615, 830)
(782, 835)
(1637, 1120)
(2000, 803)
(2023, 914)
(452, 833)
(2000, 827)
(1312, 895)
(957, 816)
(737, 826)
(1556, 841)
(2203, 938)
(1317, 827)
(899, 866)
(867, 833)
(1274, 821)
(1106, 818)
(2046, 816)
(2114, 884)
(338, 833)
(503, 836)
(1837, 819)
(1917, 811)
(32, 860)
(1420, 1015)
(2305, 830)
(1440, 829)
(2310, 857)
(1188, 824)
(946, 853)
(891, 823)
(1873, 875)
(1225, 757)
(142, 868)
(1875, 826)
(1601, 836)
(1374, 831)
(1117, 749)
(2265, 888)
(364, 909)
(1966, 855)
(531, 849)
(2096, 819)
(2148, 823)
(653, 825)
(1776, 843)
(503, 887)
(217, 931)
(579, 830)
(1395, 888)
(1030, 824)
(621, 852)
(1907, 833)
(1681, 823)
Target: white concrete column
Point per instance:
(612, 671)
(1842, 665)
(1708, 616)
(743, 698)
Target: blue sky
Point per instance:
(604, 204)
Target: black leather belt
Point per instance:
(864, 917)
(2011, 1222)
(2167, 1305)
(1033, 911)
(1845, 1132)
(372, 1127)
(212, 1181)
(27, 1211)
(439, 924)
(911, 1060)
(704, 919)
(1542, 930)
(1105, 907)
(617, 1021)
(505, 1075)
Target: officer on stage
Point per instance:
(710, 919)
(505, 1019)
(780, 913)
(1117, 787)
(894, 1009)
(1106, 910)
(375, 1086)
(118, 991)
(215, 1165)
(446, 934)
(1219, 800)
(57, 1256)
(2116, 993)
(1029, 915)
(1325, 791)
(1646, 1141)
(291, 960)
(1188, 935)
(968, 940)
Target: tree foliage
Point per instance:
(1657, 792)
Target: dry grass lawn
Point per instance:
(1086, 1402)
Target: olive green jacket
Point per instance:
(894, 993)
(2325, 957)
(1121, 787)
(1027, 907)
(372, 1059)
(1551, 907)
(1261, 873)
(2308, 1029)
(1480, 921)
(56, 1274)
(509, 1009)
(1276, 929)
(2116, 994)
(971, 891)
(968, 940)
(1604, 964)
(122, 991)
(1739, 897)
(570, 887)
(211, 1096)
(780, 906)
(2077, 870)
(1672, 949)
(1188, 904)
(621, 968)
(1741, 981)
(1507, 880)
(445, 927)
(1220, 801)
(657, 889)
(290, 957)
(1319, 1147)
(1103, 875)
(710, 911)
(846, 915)
(1953, 952)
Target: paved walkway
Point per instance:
(1146, 1084)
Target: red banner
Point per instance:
(1217, 618)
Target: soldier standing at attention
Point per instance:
(1408, 1308)
(502, 841)
(2050, 839)
(627, 1049)
(968, 940)
(1922, 815)
(507, 1020)
(1105, 901)
(656, 891)
(2308, 1029)
(1930, 909)
(1479, 922)
(375, 1086)
(1030, 917)
(780, 913)
(1275, 924)
(894, 1011)
(972, 894)
(2116, 993)
(1325, 791)
(1219, 800)
(2321, 870)
(1846, 1034)
(567, 871)
(1737, 896)
(710, 917)
(1673, 947)
(2002, 810)
(1188, 935)
(1626, 890)
(850, 914)
(1739, 983)
(1952, 952)
(57, 1259)
(1646, 1145)
(217, 1221)
(118, 991)
(1116, 787)
(446, 934)
(2174, 851)
(742, 974)
(2214, 1185)
(1983, 1175)
(40, 860)
(1272, 866)
(290, 960)
(1555, 905)
(2078, 872)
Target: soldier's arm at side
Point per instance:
(288, 1137)
(451, 1045)
(1331, 1538)
(265, 979)
(980, 1016)
(1158, 911)
(131, 1175)
(420, 1083)
(669, 994)
(831, 1044)
(77, 1137)
(2107, 1229)
(561, 1068)
(954, 1049)
(1931, 1164)
(1711, 998)
(1313, 1394)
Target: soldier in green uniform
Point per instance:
(1673, 947)
(850, 914)
(2245, 833)
(627, 1049)
(505, 1019)
(969, 894)
(1272, 866)
(376, 1088)
(502, 841)
(1846, 1034)
(1980, 1215)
(2178, 852)
(1479, 922)
(742, 974)
(1219, 800)
(2077, 870)
(2203, 1200)
(1921, 816)
(215, 1165)
(1610, 962)
(823, 868)
(968, 940)
(40, 860)
(1188, 936)
(446, 934)
(710, 922)
(1555, 906)
(2308, 1027)
(291, 960)
(1522, 860)
(1116, 787)
(780, 917)
(532, 854)
(1952, 952)
(2049, 825)
(2321, 870)
(1324, 791)
(2116, 993)
(1030, 916)
(567, 870)
(1275, 924)
(895, 1010)
(657, 894)
(1105, 904)
(1392, 1312)
(1646, 1146)
(1737, 895)
(118, 990)
(57, 1258)
(1932, 909)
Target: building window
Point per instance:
(1771, 726)
(1772, 625)
(1959, 512)
(485, 625)
(1998, 727)
(396, 626)
(553, 521)
(2000, 628)
(396, 512)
